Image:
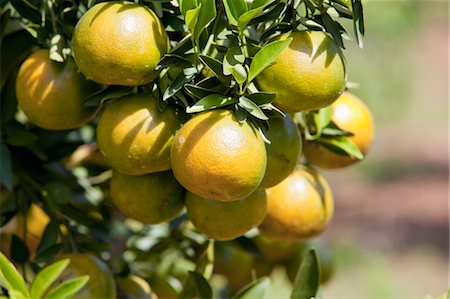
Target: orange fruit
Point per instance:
(151, 198)
(350, 114)
(309, 74)
(220, 220)
(134, 287)
(51, 94)
(119, 43)
(134, 136)
(300, 207)
(283, 151)
(101, 282)
(216, 157)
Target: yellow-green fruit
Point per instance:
(134, 287)
(276, 251)
(221, 220)
(309, 74)
(51, 94)
(283, 151)
(162, 288)
(216, 157)
(119, 43)
(350, 114)
(101, 282)
(325, 260)
(298, 208)
(151, 198)
(135, 137)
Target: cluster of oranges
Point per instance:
(226, 176)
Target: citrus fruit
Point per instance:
(101, 282)
(226, 220)
(119, 43)
(325, 260)
(216, 157)
(151, 198)
(276, 251)
(134, 136)
(30, 226)
(51, 94)
(350, 114)
(309, 74)
(134, 287)
(299, 207)
(283, 151)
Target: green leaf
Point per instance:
(206, 15)
(11, 278)
(49, 237)
(209, 102)
(255, 7)
(308, 277)
(270, 14)
(252, 108)
(201, 285)
(47, 254)
(56, 52)
(358, 21)
(186, 5)
(322, 118)
(191, 19)
(6, 174)
(233, 64)
(216, 67)
(341, 145)
(333, 28)
(184, 77)
(261, 98)
(15, 294)
(19, 137)
(46, 277)
(256, 289)
(170, 59)
(68, 288)
(57, 193)
(107, 93)
(266, 56)
(19, 250)
(234, 9)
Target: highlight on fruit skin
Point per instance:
(134, 287)
(151, 198)
(298, 208)
(119, 43)
(216, 157)
(223, 221)
(135, 136)
(350, 114)
(51, 94)
(308, 75)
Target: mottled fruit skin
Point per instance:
(51, 94)
(308, 75)
(350, 114)
(223, 221)
(216, 157)
(151, 198)
(298, 208)
(101, 282)
(119, 43)
(134, 287)
(135, 137)
(283, 151)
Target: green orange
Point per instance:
(308, 75)
(216, 157)
(119, 43)
(135, 136)
(51, 94)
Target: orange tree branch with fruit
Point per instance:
(149, 147)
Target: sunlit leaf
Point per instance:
(68, 288)
(46, 277)
(10, 277)
(255, 290)
(211, 101)
(234, 9)
(308, 277)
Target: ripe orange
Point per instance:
(216, 157)
(151, 198)
(119, 43)
(220, 220)
(283, 151)
(300, 207)
(349, 114)
(101, 282)
(134, 136)
(51, 94)
(308, 75)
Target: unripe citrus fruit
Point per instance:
(216, 157)
(309, 74)
(151, 198)
(300, 207)
(276, 251)
(134, 136)
(101, 282)
(283, 151)
(350, 114)
(134, 287)
(119, 43)
(220, 220)
(51, 94)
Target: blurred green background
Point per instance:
(390, 233)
